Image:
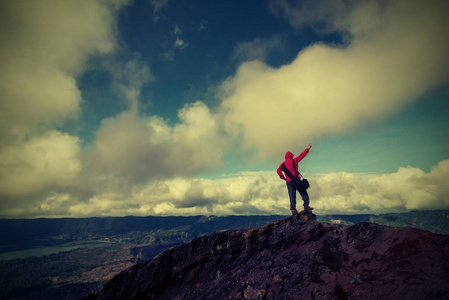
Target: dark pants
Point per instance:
(291, 186)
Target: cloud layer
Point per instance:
(256, 193)
(44, 161)
(45, 46)
(142, 164)
(262, 193)
(140, 148)
(395, 52)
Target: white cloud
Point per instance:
(42, 162)
(45, 44)
(243, 193)
(395, 53)
(263, 193)
(409, 188)
(132, 148)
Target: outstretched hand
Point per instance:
(309, 146)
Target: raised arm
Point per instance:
(303, 154)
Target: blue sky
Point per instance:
(163, 107)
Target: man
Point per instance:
(292, 165)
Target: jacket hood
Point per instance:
(288, 155)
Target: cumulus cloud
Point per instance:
(395, 52)
(132, 149)
(250, 193)
(128, 79)
(242, 194)
(409, 188)
(30, 167)
(45, 44)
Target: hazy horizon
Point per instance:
(286, 215)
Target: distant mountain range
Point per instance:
(436, 221)
(27, 233)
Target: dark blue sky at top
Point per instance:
(212, 30)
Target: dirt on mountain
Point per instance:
(294, 258)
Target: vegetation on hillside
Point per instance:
(73, 274)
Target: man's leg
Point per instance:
(292, 194)
(305, 198)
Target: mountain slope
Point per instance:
(294, 258)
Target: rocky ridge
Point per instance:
(294, 258)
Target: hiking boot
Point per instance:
(294, 212)
(308, 208)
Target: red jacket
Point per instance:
(289, 164)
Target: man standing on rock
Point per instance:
(290, 165)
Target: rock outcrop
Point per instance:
(294, 258)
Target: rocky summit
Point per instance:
(294, 258)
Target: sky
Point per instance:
(165, 107)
